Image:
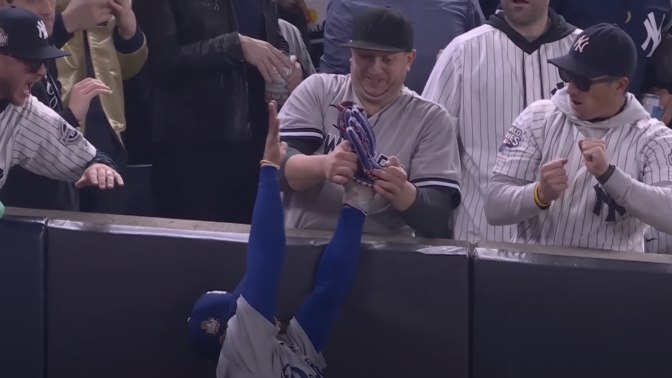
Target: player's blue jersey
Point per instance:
(643, 20)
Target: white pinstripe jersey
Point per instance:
(485, 80)
(38, 139)
(611, 216)
(418, 132)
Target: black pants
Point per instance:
(210, 182)
(109, 201)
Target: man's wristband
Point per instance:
(270, 163)
(537, 200)
(607, 175)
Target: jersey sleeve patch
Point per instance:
(68, 135)
(513, 138)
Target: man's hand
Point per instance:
(665, 104)
(393, 185)
(340, 164)
(124, 18)
(82, 93)
(296, 76)
(595, 156)
(99, 175)
(86, 14)
(269, 61)
(554, 180)
(275, 150)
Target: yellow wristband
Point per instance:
(536, 197)
(266, 162)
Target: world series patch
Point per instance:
(69, 135)
(512, 139)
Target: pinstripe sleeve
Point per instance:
(444, 85)
(436, 160)
(45, 144)
(301, 117)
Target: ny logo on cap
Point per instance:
(42, 30)
(4, 40)
(210, 326)
(580, 43)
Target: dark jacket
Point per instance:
(197, 69)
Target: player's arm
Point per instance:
(649, 200)
(444, 85)
(301, 120)
(47, 145)
(171, 58)
(435, 171)
(510, 195)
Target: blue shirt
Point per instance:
(641, 19)
(435, 24)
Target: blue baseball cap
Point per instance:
(23, 35)
(208, 319)
(601, 50)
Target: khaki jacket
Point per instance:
(110, 67)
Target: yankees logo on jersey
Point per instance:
(485, 78)
(612, 215)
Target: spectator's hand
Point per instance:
(595, 156)
(268, 60)
(99, 175)
(554, 180)
(275, 150)
(124, 17)
(86, 14)
(82, 93)
(340, 164)
(665, 104)
(393, 185)
(296, 77)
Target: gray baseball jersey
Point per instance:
(252, 350)
(485, 78)
(38, 139)
(611, 216)
(418, 132)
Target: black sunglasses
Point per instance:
(583, 83)
(34, 65)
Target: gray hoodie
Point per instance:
(612, 215)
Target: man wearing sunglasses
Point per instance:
(588, 168)
(32, 135)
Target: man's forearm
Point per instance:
(640, 200)
(429, 215)
(509, 201)
(302, 172)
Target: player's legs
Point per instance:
(335, 273)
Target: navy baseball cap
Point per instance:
(601, 50)
(382, 29)
(208, 319)
(23, 35)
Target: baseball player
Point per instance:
(418, 182)
(588, 168)
(32, 135)
(239, 329)
(485, 78)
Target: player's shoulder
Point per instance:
(653, 129)
(538, 111)
(328, 80)
(419, 107)
(470, 37)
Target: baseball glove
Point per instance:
(355, 127)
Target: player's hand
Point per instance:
(296, 77)
(595, 156)
(340, 164)
(124, 18)
(665, 104)
(269, 61)
(275, 150)
(554, 180)
(81, 95)
(86, 14)
(100, 175)
(393, 185)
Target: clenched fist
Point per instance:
(595, 156)
(554, 180)
(341, 164)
